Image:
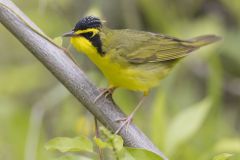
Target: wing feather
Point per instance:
(145, 47)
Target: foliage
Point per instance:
(64, 144)
(193, 114)
(112, 143)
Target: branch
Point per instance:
(69, 74)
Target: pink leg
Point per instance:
(105, 92)
(127, 120)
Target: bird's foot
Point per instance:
(125, 122)
(104, 92)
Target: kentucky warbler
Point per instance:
(132, 59)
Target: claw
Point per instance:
(104, 92)
(126, 122)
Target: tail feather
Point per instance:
(204, 40)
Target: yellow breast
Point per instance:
(127, 76)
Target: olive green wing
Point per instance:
(160, 48)
(144, 47)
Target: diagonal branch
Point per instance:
(69, 74)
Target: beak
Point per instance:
(69, 34)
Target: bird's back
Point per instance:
(146, 47)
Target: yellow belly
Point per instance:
(127, 76)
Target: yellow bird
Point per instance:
(131, 59)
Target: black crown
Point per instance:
(88, 22)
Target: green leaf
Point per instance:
(138, 154)
(118, 142)
(58, 41)
(186, 124)
(65, 144)
(231, 145)
(223, 156)
(111, 140)
(106, 133)
(101, 144)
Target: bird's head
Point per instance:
(88, 28)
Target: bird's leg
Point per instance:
(127, 120)
(105, 92)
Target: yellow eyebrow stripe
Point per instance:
(93, 30)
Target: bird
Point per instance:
(132, 59)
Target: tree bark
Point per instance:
(55, 59)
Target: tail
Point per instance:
(204, 40)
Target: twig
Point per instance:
(66, 71)
(100, 153)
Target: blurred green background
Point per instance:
(193, 114)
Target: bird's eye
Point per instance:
(88, 35)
